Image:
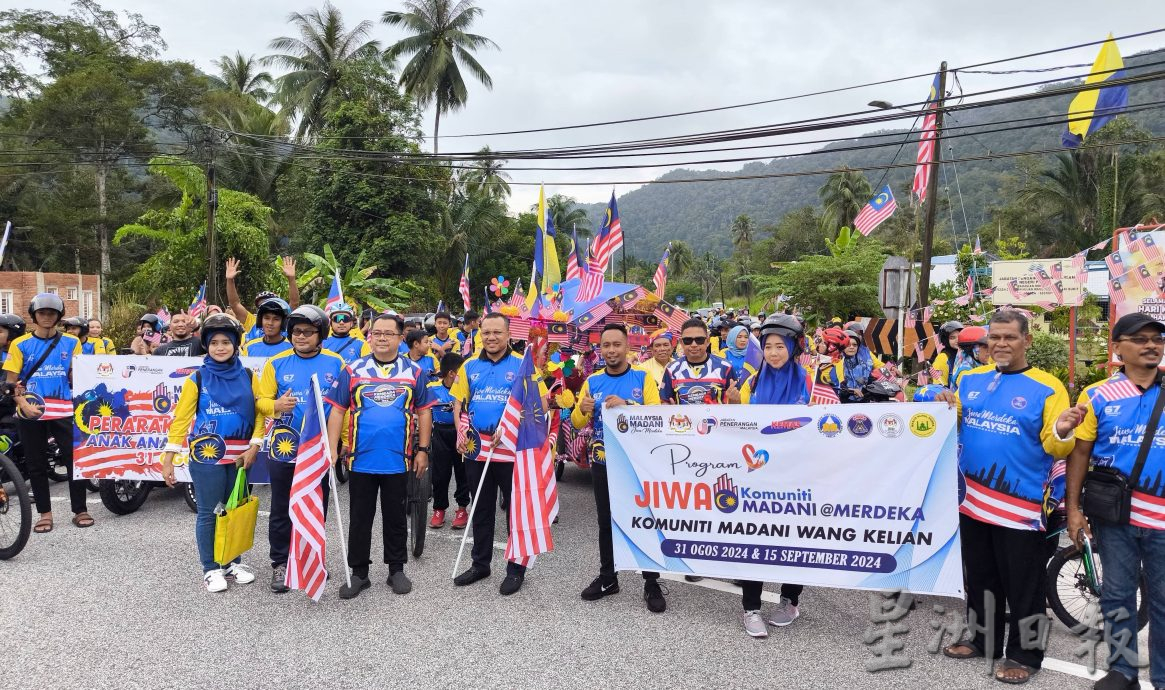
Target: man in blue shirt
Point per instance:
(345, 340)
(447, 462)
(386, 397)
(272, 319)
(1113, 416)
(442, 341)
(468, 335)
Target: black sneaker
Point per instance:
(599, 589)
(359, 584)
(693, 578)
(653, 596)
(278, 579)
(511, 584)
(470, 576)
(1115, 680)
(400, 582)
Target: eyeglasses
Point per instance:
(1142, 340)
(303, 332)
(341, 318)
(383, 334)
(698, 340)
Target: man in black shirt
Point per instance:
(182, 341)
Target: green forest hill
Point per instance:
(700, 213)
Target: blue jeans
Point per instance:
(212, 485)
(1124, 551)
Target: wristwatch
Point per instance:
(428, 449)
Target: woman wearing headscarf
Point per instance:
(735, 348)
(216, 416)
(853, 370)
(781, 380)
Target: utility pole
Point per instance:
(624, 246)
(932, 189)
(212, 293)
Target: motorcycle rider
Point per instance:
(272, 318)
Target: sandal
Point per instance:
(43, 525)
(972, 652)
(1003, 668)
(82, 520)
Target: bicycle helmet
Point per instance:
(835, 339)
(47, 300)
(14, 325)
(971, 336)
(945, 331)
(153, 320)
(78, 322)
(342, 308)
(785, 326)
(309, 315)
(220, 323)
(264, 296)
(273, 305)
(928, 393)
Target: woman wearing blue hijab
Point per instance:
(216, 416)
(780, 381)
(735, 347)
(854, 369)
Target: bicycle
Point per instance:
(15, 510)
(1073, 580)
(420, 492)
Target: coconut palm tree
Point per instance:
(241, 74)
(566, 215)
(681, 260)
(843, 195)
(742, 230)
(316, 60)
(487, 176)
(440, 45)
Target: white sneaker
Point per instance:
(215, 581)
(784, 614)
(754, 625)
(239, 573)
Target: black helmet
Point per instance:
(881, 390)
(220, 323)
(264, 296)
(13, 324)
(783, 325)
(153, 320)
(945, 331)
(273, 305)
(309, 315)
(47, 300)
(78, 322)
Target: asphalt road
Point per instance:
(121, 605)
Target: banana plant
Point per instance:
(357, 283)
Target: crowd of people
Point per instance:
(405, 395)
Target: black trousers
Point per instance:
(603, 511)
(279, 526)
(499, 478)
(750, 591)
(34, 437)
(447, 463)
(393, 490)
(1009, 563)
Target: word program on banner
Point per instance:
(851, 496)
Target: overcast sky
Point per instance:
(571, 62)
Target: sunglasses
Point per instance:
(698, 340)
(341, 318)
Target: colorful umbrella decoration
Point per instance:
(500, 286)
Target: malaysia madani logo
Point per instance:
(680, 423)
(621, 424)
(829, 425)
(706, 426)
(725, 496)
(163, 404)
(208, 448)
(754, 458)
(283, 443)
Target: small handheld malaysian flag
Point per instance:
(463, 286)
(875, 211)
(335, 294)
(198, 306)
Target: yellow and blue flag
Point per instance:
(1090, 110)
(545, 251)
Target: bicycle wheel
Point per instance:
(420, 490)
(1072, 597)
(15, 510)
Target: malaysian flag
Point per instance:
(1056, 270)
(591, 283)
(524, 427)
(1116, 265)
(335, 294)
(927, 312)
(1077, 263)
(572, 265)
(1013, 288)
(660, 278)
(1098, 246)
(463, 287)
(518, 299)
(926, 141)
(822, 393)
(875, 211)
(198, 306)
(305, 558)
(1119, 387)
(918, 352)
(978, 251)
(1042, 276)
(908, 319)
(610, 236)
(164, 315)
(671, 316)
(1145, 279)
(1149, 248)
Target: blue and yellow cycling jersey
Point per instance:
(259, 348)
(1007, 443)
(383, 398)
(442, 399)
(483, 386)
(95, 346)
(635, 386)
(429, 366)
(475, 342)
(349, 347)
(216, 435)
(705, 383)
(288, 371)
(50, 382)
(1116, 420)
